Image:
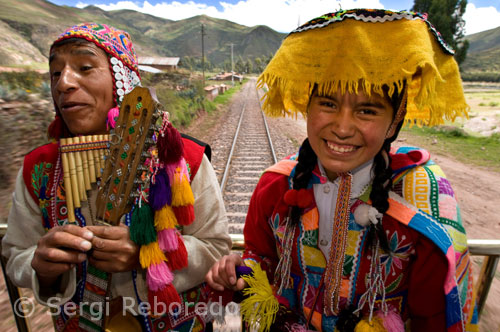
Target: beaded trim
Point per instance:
(372, 16)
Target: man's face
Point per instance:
(82, 86)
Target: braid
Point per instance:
(382, 181)
(306, 162)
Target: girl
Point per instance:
(351, 234)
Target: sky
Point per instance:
(282, 15)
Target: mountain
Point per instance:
(484, 52)
(28, 27)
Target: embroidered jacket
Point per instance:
(42, 175)
(427, 277)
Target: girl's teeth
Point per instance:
(339, 148)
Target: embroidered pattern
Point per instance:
(40, 183)
(401, 252)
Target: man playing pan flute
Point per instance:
(65, 261)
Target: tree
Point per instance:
(446, 16)
(248, 66)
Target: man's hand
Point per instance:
(58, 251)
(223, 274)
(113, 250)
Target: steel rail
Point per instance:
(228, 163)
(275, 160)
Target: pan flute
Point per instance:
(116, 163)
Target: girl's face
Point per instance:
(346, 131)
(82, 86)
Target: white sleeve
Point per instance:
(207, 238)
(19, 244)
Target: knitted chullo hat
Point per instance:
(373, 48)
(122, 60)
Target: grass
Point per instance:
(226, 97)
(474, 150)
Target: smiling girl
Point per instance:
(354, 235)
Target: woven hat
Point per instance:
(123, 64)
(118, 45)
(371, 48)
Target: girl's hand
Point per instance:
(223, 274)
(113, 250)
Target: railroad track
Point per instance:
(251, 152)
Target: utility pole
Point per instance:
(232, 70)
(203, 53)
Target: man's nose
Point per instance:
(68, 80)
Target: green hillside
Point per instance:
(27, 27)
(484, 54)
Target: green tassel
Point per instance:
(142, 225)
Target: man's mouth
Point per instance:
(69, 106)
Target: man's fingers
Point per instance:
(63, 240)
(60, 255)
(77, 231)
(108, 232)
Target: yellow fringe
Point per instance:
(182, 194)
(151, 254)
(366, 64)
(165, 218)
(376, 325)
(260, 307)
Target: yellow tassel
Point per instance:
(151, 254)
(182, 194)
(165, 218)
(376, 325)
(261, 306)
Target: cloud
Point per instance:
(282, 16)
(480, 19)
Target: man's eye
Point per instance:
(368, 112)
(85, 68)
(55, 74)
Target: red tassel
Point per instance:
(177, 259)
(170, 145)
(166, 295)
(184, 214)
(301, 198)
(290, 197)
(304, 198)
(56, 128)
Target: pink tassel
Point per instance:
(158, 276)
(392, 321)
(112, 114)
(168, 239)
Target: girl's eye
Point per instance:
(327, 103)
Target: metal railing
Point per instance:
(490, 249)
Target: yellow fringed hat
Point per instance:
(373, 48)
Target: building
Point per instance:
(158, 63)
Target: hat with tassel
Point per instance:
(122, 60)
(367, 49)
